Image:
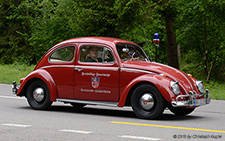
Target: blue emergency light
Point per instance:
(156, 36)
(156, 39)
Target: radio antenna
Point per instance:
(147, 43)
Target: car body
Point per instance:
(122, 75)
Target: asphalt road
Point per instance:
(97, 123)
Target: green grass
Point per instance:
(14, 72)
(217, 90)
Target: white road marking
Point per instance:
(12, 97)
(16, 125)
(140, 138)
(75, 131)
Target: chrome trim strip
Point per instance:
(187, 80)
(137, 70)
(86, 67)
(58, 66)
(98, 68)
(91, 102)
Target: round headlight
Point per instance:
(175, 87)
(200, 86)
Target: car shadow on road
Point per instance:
(94, 111)
(166, 116)
(172, 117)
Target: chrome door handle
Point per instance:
(78, 69)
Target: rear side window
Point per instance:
(64, 54)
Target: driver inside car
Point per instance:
(93, 55)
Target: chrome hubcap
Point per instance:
(38, 94)
(146, 101)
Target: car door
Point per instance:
(61, 68)
(96, 78)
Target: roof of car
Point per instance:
(103, 40)
(106, 40)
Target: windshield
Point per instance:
(130, 52)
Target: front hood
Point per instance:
(174, 74)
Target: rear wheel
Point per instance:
(147, 102)
(180, 110)
(38, 95)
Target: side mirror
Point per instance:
(125, 49)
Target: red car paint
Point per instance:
(109, 82)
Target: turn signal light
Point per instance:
(163, 75)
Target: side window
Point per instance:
(64, 54)
(96, 54)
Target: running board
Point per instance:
(104, 103)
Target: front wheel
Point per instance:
(147, 102)
(38, 95)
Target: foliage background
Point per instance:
(28, 28)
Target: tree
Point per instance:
(201, 36)
(170, 16)
(13, 33)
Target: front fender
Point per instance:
(42, 75)
(160, 82)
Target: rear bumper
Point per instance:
(194, 100)
(15, 87)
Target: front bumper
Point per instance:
(194, 100)
(15, 87)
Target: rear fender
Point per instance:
(161, 83)
(42, 75)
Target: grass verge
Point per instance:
(14, 72)
(217, 90)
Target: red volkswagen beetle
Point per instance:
(112, 72)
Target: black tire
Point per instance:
(78, 105)
(149, 110)
(38, 95)
(180, 110)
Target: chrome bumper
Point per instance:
(15, 87)
(193, 101)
